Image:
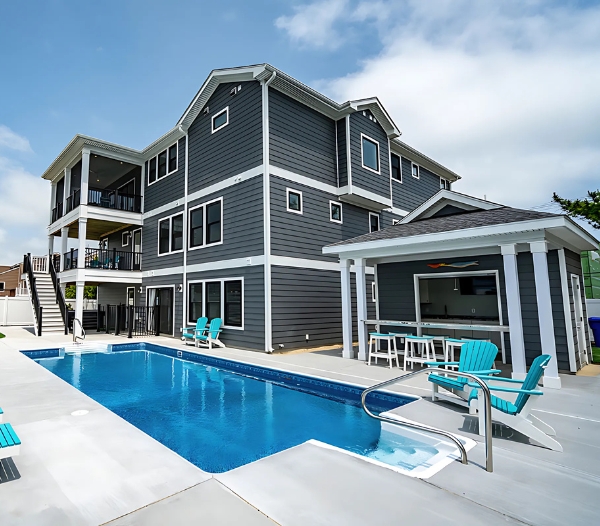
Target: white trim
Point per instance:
(287, 201)
(170, 219)
(444, 183)
(348, 154)
(204, 225)
(125, 235)
(564, 285)
(163, 287)
(212, 120)
(338, 221)
(167, 173)
(224, 264)
(378, 222)
(412, 170)
(374, 293)
(582, 343)
(391, 170)
(222, 313)
(127, 295)
(185, 230)
(362, 154)
(313, 264)
(399, 212)
(302, 179)
(2, 286)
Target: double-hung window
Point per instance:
(370, 153)
(373, 222)
(165, 163)
(170, 234)
(396, 167)
(206, 224)
(221, 298)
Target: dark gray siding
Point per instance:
(386, 219)
(157, 281)
(115, 293)
(308, 301)
(243, 231)
(342, 152)
(558, 313)
(412, 192)
(573, 264)
(305, 235)
(235, 148)
(377, 183)
(150, 244)
(253, 335)
(135, 173)
(166, 189)
(529, 311)
(301, 139)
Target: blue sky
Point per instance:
(496, 91)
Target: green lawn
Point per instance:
(596, 354)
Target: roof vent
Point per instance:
(235, 90)
(206, 111)
(395, 222)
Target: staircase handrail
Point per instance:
(28, 269)
(60, 300)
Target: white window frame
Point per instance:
(287, 201)
(2, 286)
(204, 224)
(444, 184)
(401, 174)
(222, 313)
(338, 221)
(125, 238)
(362, 156)
(212, 120)
(170, 219)
(374, 292)
(174, 299)
(412, 171)
(378, 221)
(176, 144)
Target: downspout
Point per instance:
(185, 233)
(267, 214)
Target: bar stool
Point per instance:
(451, 345)
(439, 338)
(418, 344)
(390, 354)
(402, 336)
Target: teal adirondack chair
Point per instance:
(10, 445)
(476, 357)
(211, 335)
(517, 414)
(189, 333)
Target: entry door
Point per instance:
(164, 301)
(579, 321)
(130, 295)
(136, 247)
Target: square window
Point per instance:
(335, 212)
(294, 201)
(197, 227)
(164, 228)
(373, 222)
(220, 120)
(162, 164)
(370, 154)
(396, 168)
(415, 170)
(152, 170)
(173, 158)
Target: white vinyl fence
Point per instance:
(16, 311)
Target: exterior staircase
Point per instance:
(52, 321)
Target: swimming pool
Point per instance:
(220, 414)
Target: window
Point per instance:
(206, 224)
(335, 212)
(170, 234)
(294, 201)
(125, 237)
(221, 298)
(1, 286)
(396, 168)
(220, 120)
(373, 222)
(370, 154)
(165, 163)
(373, 292)
(415, 170)
(444, 184)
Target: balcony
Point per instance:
(57, 212)
(73, 201)
(108, 259)
(115, 200)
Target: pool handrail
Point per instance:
(461, 448)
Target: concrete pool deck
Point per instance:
(97, 468)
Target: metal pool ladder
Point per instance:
(423, 427)
(75, 337)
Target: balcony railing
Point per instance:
(57, 212)
(73, 201)
(112, 259)
(70, 259)
(114, 199)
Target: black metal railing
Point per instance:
(73, 201)
(112, 259)
(114, 199)
(56, 262)
(57, 212)
(70, 259)
(35, 300)
(131, 320)
(60, 300)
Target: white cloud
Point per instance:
(13, 141)
(504, 93)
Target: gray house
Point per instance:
(227, 214)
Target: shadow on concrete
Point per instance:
(8, 471)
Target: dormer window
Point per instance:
(370, 153)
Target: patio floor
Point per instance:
(98, 468)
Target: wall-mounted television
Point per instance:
(478, 286)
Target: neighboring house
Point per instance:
(10, 280)
(227, 213)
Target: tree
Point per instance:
(89, 292)
(587, 209)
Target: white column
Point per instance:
(85, 175)
(539, 249)
(81, 247)
(515, 320)
(348, 351)
(361, 307)
(78, 306)
(50, 245)
(64, 241)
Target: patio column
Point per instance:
(348, 351)
(64, 241)
(361, 307)
(81, 247)
(79, 287)
(515, 320)
(50, 245)
(85, 176)
(539, 250)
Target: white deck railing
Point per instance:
(39, 264)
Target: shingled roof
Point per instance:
(435, 225)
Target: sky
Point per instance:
(506, 94)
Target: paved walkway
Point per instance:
(97, 468)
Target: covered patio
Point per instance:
(461, 267)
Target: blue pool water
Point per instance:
(220, 420)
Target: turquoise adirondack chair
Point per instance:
(211, 335)
(517, 414)
(10, 444)
(190, 333)
(476, 357)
